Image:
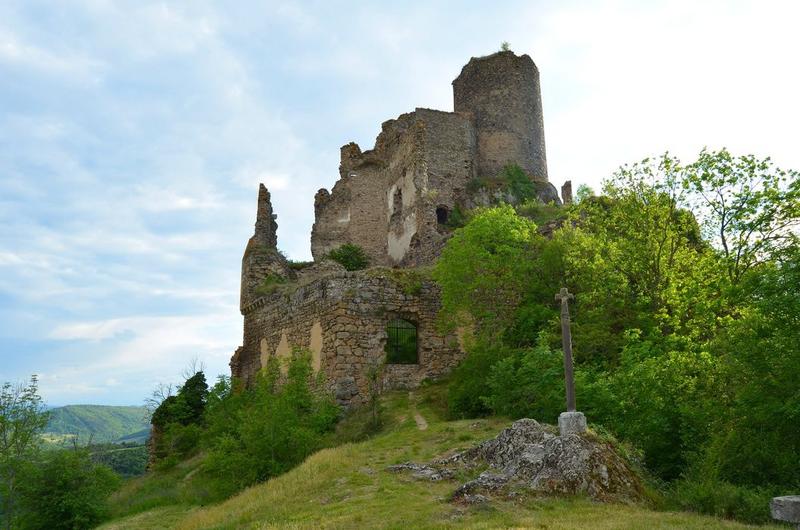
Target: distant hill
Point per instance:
(98, 423)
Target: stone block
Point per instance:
(571, 423)
(786, 509)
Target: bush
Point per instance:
(469, 382)
(528, 384)
(269, 428)
(68, 491)
(351, 257)
(723, 499)
(518, 183)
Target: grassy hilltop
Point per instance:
(349, 487)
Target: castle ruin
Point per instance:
(394, 201)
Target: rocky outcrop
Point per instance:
(529, 456)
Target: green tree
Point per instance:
(748, 207)
(757, 439)
(22, 420)
(270, 427)
(528, 383)
(68, 491)
(178, 418)
(483, 268)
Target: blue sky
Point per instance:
(133, 136)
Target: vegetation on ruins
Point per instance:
(268, 429)
(270, 284)
(351, 257)
(511, 180)
(685, 325)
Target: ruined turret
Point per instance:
(266, 228)
(501, 93)
(261, 258)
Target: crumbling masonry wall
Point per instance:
(342, 319)
(386, 198)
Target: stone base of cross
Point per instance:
(571, 423)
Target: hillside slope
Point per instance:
(98, 423)
(350, 487)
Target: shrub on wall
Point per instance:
(270, 284)
(351, 257)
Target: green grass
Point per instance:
(349, 487)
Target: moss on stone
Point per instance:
(410, 281)
(270, 284)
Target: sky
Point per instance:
(133, 137)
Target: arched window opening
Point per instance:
(441, 215)
(401, 342)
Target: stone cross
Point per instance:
(564, 297)
(569, 422)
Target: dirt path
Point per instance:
(422, 423)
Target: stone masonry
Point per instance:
(394, 201)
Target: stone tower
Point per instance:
(501, 93)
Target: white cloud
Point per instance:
(15, 51)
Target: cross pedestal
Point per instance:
(571, 423)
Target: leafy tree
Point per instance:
(528, 384)
(22, 420)
(584, 192)
(68, 491)
(176, 420)
(194, 393)
(271, 427)
(483, 268)
(749, 207)
(757, 439)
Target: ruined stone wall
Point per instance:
(501, 92)
(385, 200)
(342, 318)
(356, 210)
(448, 155)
